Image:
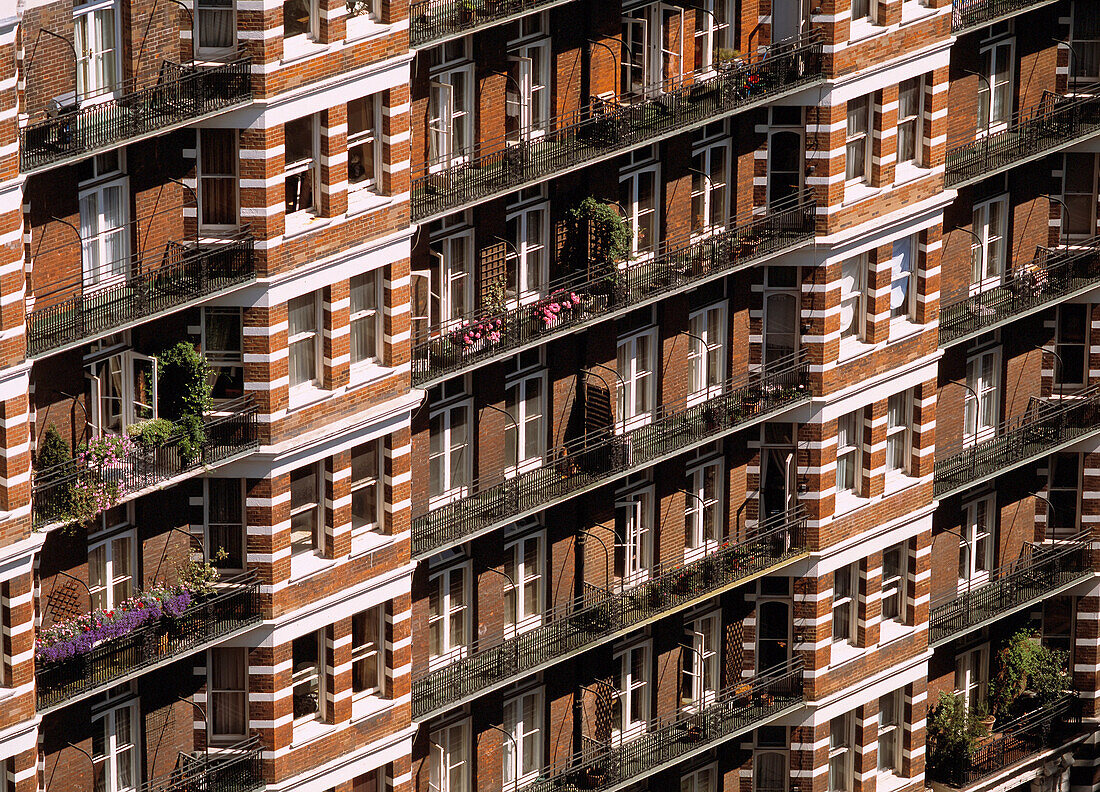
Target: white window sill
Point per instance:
(863, 29)
(890, 631)
(841, 652)
(304, 565)
(362, 26)
(855, 192)
(853, 347)
(364, 373)
(847, 502)
(366, 706)
(365, 541)
(302, 222)
(365, 199)
(301, 46)
(304, 395)
(308, 731)
(914, 11)
(897, 481)
(906, 172)
(903, 328)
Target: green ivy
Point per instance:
(183, 382)
(607, 230)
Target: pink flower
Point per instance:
(567, 305)
(573, 296)
(555, 307)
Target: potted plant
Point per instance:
(594, 777)
(985, 718)
(729, 58)
(1028, 675)
(951, 738)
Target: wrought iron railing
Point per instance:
(234, 768)
(572, 139)
(679, 265)
(152, 283)
(1042, 428)
(61, 492)
(733, 711)
(1052, 275)
(183, 94)
(967, 14)
(590, 619)
(1044, 570)
(1054, 124)
(433, 20)
(590, 461)
(153, 644)
(1038, 730)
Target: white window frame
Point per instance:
(891, 731)
(526, 736)
(440, 585)
(705, 779)
(529, 253)
(703, 510)
(233, 178)
(223, 359)
(630, 693)
(530, 105)
(446, 760)
(1086, 50)
(114, 748)
(899, 433)
(306, 338)
(849, 444)
(903, 279)
(210, 524)
(784, 759)
(448, 124)
(1053, 490)
(981, 416)
(776, 134)
(1000, 82)
(635, 534)
(988, 260)
(976, 552)
(911, 123)
(894, 583)
(710, 188)
(370, 137)
(108, 269)
(215, 7)
(647, 27)
(314, 22)
(713, 32)
(841, 753)
(448, 447)
(375, 448)
(310, 165)
(526, 599)
(366, 316)
(85, 54)
(369, 651)
(111, 578)
(216, 693)
(708, 366)
(845, 603)
(317, 540)
(112, 382)
(1062, 347)
(972, 675)
(857, 141)
(639, 377)
(1084, 164)
(700, 667)
(643, 219)
(451, 289)
(853, 297)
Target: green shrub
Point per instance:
(597, 234)
(190, 446)
(54, 450)
(152, 434)
(952, 735)
(183, 382)
(1025, 664)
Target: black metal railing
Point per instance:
(504, 164)
(1031, 733)
(1044, 570)
(150, 284)
(1052, 275)
(234, 768)
(432, 20)
(153, 644)
(976, 13)
(1043, 426)
(679, 265)
(733, 711)
(593, 460)
(61, 492)
(183, 93)
(1054, 124)
(590, 619)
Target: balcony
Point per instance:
(604, 615)
(182, 95)
(668, 741)
(1016, 742)
(204, 623)
(609, 127)
(969, 15)
(168, 279)
(1056, 123)
(679, 266)
(1052, 276)
(235, 768)
(1046, 571)
(62, 492)
(601, 457)
(1045, 427)
(435, 21)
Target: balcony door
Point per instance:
(123, 391)
(995, 86)
(104, 234)
(781, 314)
(115, 748)
(653, 49)
(789, 17)
(96, 38)
(778, 468)
(773, 636)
